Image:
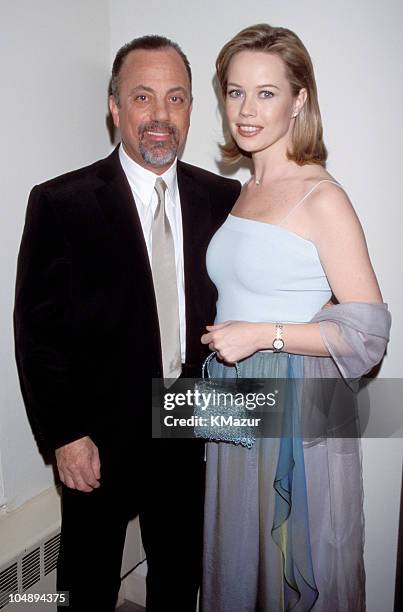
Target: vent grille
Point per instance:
(31, 569)
(50, 554)
(8, 583)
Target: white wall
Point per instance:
(54, 66)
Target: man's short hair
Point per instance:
(150, 42)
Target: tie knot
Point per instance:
(160, 187)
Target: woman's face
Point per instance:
(259, 103)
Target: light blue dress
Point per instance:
(264, 272)
(258, 554)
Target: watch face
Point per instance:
(278, 344)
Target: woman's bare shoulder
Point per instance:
(331, 214)
(329, 197)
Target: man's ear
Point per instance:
(113, 107)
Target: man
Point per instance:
(111, 291)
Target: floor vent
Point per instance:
(29, 569)
(50, 553)
(8, 583)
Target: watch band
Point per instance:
(278, 342)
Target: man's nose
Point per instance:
(160, 110)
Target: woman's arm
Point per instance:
(235, 340)
(340, 241)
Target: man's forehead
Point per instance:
(154, 61)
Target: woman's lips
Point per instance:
(248, 131)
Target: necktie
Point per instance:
(165, 287)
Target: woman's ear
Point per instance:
(299, 102)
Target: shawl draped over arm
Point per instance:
(356, 335)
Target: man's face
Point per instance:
(154, 107)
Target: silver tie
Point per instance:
(165, 287)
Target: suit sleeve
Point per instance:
(233, 189)
(43, 328)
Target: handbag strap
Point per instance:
(207, 361)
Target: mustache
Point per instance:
(156, 126)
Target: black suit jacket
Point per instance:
(86, 325)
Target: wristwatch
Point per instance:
(278, 342)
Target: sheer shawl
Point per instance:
(356, 336)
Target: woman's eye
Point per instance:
(265, 93)
(234, 93)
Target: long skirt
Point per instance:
(284, 525)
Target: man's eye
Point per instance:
(265, 93)
(141, 98)
(176, 99)
(234, 93)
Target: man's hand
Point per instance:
(79, 465)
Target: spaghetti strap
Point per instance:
(308, 194)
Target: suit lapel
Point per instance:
(117, 203)
(116, 200)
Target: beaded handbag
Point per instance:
(218, 419)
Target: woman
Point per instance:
(279, 534)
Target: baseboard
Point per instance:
(30, 538)
(29, 547)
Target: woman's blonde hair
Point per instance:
(307, 134)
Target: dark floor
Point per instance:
(129, 606)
